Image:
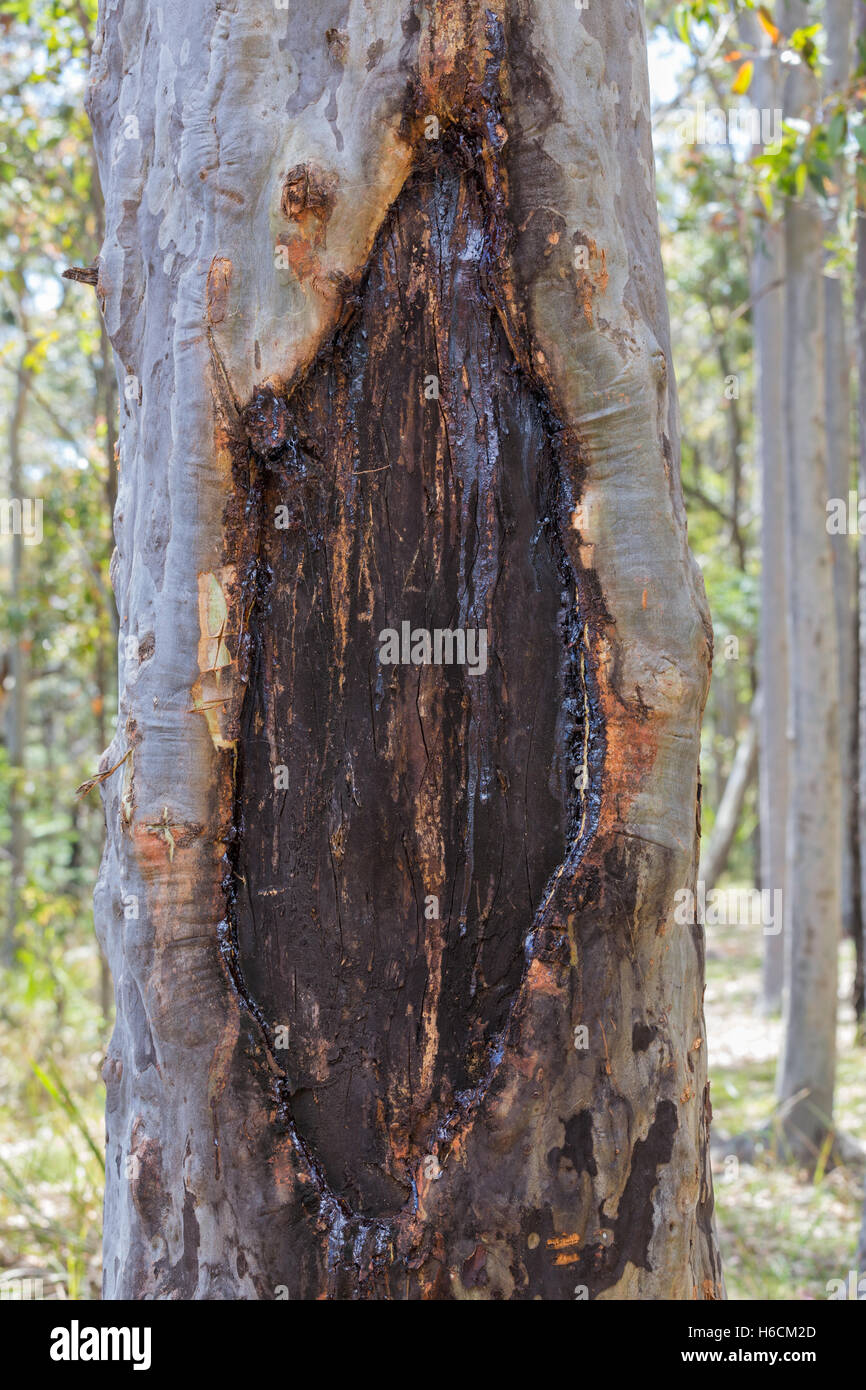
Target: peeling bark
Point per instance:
(320, 1087)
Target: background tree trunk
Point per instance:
(773, 741)
(837, 20)
(715, 857)
(807, 1065)
(860, 338)
(16, 713)
(404, 1008)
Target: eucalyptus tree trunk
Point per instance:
(807, 1065)
(16, 725)
(838, 23)
(767, 276)
(860, 339)
(408, 1005)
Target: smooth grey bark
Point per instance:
(807, 1066)
(224, 134)
(860, 342)
(774, 742)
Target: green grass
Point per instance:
(52, 1039)
(783, 1235)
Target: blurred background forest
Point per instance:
(788, 1218)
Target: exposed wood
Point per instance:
(85, 275)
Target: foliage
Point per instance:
(53, 1008)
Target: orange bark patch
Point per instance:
(592, 275)
(218, 285)
(541, 978)
(308, 199)
(563, 1242)
(217, 693)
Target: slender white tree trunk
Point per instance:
(16, 732)
(774, 714)
(860, 336)
(837, 21)
(743, 769)
(808, 1062)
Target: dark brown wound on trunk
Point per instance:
(404, 781)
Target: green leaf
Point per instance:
(836, 131)
(801, 173)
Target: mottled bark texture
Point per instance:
(405, 1011)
